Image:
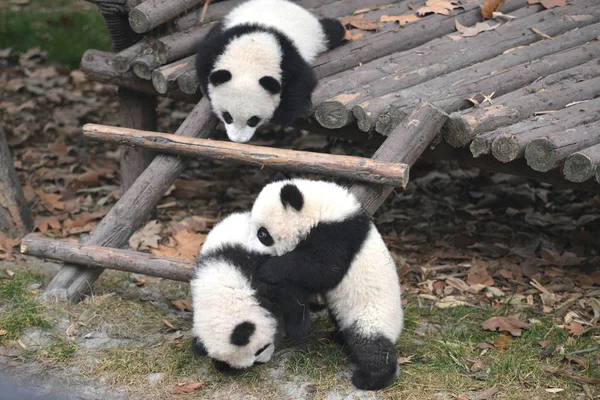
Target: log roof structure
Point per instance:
(522, 98)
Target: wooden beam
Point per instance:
(348, 167)
(133, 208)
(104, 257)
(15, 216)
(404, 144)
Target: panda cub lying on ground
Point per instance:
(323, 241)
(255, 65)
(235, 323)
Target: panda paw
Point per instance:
(375, 381)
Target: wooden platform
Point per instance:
(506, 88)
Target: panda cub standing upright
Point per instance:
(255, 65)
(323, 241)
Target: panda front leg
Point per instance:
(374, 357)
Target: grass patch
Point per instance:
(20, 310)
(63, 28)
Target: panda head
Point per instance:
(285, 212)
(244, 348)
(245, 84)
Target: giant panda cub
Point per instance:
(255, 65)
(325, 242)
(235, 320)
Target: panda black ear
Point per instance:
(290, 194)
(242, 333)
(270, 84)
(198, 347)
(219, 77)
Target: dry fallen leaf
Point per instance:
(6, 243)
(147, 237)
(486, 394)
(183, 305)
(503, 341)
(484, 345)
(401, 19)
(474, 30)
(44, 224)
(184, 245)
(355, 36)
(575, 328)
(478, 366)
(3, 332)
(168, 324)
(478, 274)
(510, 324)
(405, 360)
(359, 21)
(51, 201)
(438, 7)
(491, 6)
(549, 3)
(187, 387)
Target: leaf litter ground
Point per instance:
(475, 251)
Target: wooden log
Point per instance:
(188, 82)
(216, 12)
(509, 143)
(544, 154)
(133, 208)
(405, 144)
(98, 66)
(123, 59)
(143, 66)
(443, 151)
(164, 78)
(104, 257)
(152, 13)
(430, 60)
(137, 111)
(500, 75)
(178, 45)
(333, 115)
(348, 167)
(15, 216)
(550, 93)
(580, 166)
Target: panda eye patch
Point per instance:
(252, 122)
(227, 117)
(260, 350)
(265, 237)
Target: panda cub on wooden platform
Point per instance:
(255, 66)
(236, 322)
(323, 241)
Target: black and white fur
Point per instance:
(255, 65)
(235, 317)
(325, 242)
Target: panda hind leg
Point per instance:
(375, 360)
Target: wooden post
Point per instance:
(580, 166)
(348, 167)
(133, 208)
(15, 217)
(404, 144)
(103, 257)
(152, 13)
(546, 153)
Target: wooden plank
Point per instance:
(348, 167)
(133, 208)
(580, 166)
(545, 153)
(15, 216)
(405, 144)
(104, 257)
(152, 13)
